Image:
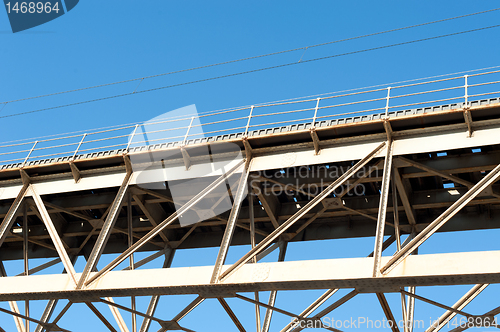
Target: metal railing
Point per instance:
(457, 91)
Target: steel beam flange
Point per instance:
(378, 289)
(217, 294)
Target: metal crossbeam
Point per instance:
(447, 269)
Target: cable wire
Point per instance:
(211, 112)
(250, 71)
(252, 57)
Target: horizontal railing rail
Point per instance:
(246, 120)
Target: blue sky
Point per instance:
(100, 42)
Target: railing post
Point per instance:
(187, 131)
(78, 147)
(315, 112)
(387, 101)
(29, 154)
(131, 138)
(466, 87)
(248, 122)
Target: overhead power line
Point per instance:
(257, 104)
(251, 71)
(250, 58)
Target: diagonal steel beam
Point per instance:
(310, 309)
(331, 307)
(56, 239)
(459, 305)
(103, 237)
(53, 326)
(284, 312)
(231, 224)
(442, 219)
(149, 258)
(387, 311)
(437, 304)
(153, 303)
(272, 296)
(117, 316)
(326, 295)
(41, 267)
(13, 305)
(114, 311)
(61, 314)
(190, 307)
(299, 214)
(8, 221)
(437, 172)
(166, 325)
(51, 305)
(49, 310)
(94, 228)
(149, 236)
(265, 204)
(231, 314)
(382, 210)
(404, 197)
(101, 317)
(358, 179)
(150, 217)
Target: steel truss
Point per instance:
(134, 219)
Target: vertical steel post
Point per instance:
(29, 154)
(131, 138)
(466, 87)
(78, 147)
(248, 122)
(384, 193)
(387, 99)
(187, 131)
(315, 112)
(252, 242)
(395, 211)
(272, 296)
(131, 258)
(153, 303)
(25, 258)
